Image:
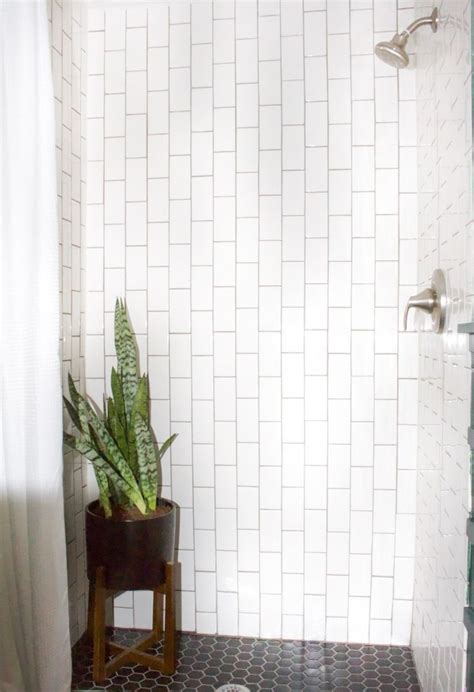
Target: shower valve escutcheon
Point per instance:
(431, 300)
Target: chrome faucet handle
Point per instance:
(425, 300)
(432, 300)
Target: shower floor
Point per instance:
(206, 662)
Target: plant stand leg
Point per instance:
(170, 622)
(100, 594)
(157, 613)
(90, 611)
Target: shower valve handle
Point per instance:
(431, 300)
(425, 300)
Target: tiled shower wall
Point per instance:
(444, 174)
(69, 75)
(251, 190)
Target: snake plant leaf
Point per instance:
(71, 441)
(107, 442)
(166, 445)
(126, 488)
(72, 388)
(87, 449)
(147, 462)
(115, 428)
(126, 356)
(104, 492)
(75, 398)
(72, 413)
(119, 499)
(117, 393)
(140, 405)
(132, 452)
(110, 413)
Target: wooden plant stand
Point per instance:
(166, 663)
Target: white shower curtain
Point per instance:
(34, 634)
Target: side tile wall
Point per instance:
(68, 53)
(445, 217)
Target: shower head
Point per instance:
(393, 52)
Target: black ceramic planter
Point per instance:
(134, 553)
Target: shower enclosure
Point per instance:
(267, 195)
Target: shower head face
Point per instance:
(393, 52)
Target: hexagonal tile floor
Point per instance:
(206, 662)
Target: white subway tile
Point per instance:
(114, 29)
(337, 595)
(224, 85)
(136, 92)
(225, 441)
(246, 61)
(201, 22)
(158, 112)
(339, 101)
(246, 20)
(179, 89)
(386, 99)
(270, 531)
(270, 82)
(292, 103)
(270, 615)
(158, 32)
(340, 146)
(269, 38)
(224, 41)
(339, 63)
(292, 60)
(179, 38)
(315, 40)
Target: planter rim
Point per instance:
(91, 506)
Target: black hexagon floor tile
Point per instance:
(206, 662)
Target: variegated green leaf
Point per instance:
(105, 443)
(87, 449)
(72, 413)
(147, 462)
(140, 405)
(166, 445)
(132, 453)
(110, 448)
(114, 426)
(119, 499)
(126, 356)
(75, 398)
(161, 453)
(104, 492)
(117, 393)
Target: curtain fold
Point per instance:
(34, 628)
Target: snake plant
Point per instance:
(119, 442)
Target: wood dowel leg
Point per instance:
(157, 613)
(98, 668)
(90, 611)
(170, 622)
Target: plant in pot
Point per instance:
(130, 530)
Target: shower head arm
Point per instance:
(432, 21)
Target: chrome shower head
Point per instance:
(393, 52)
